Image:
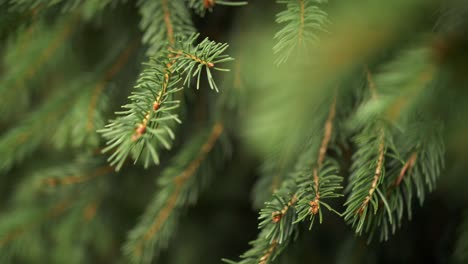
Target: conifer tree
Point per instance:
(176, 131)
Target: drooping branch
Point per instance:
(314, 204)
(179, 180)
(377, 174)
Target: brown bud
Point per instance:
(210, 64)
(208, 3)
(156, 106)
(276, 217)
(141, 129)
(314, 207)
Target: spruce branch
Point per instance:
(40, 217)
(261, 252)
(303, 19)
(399, 84)
(368, 173)
(190, 59)
(63, 180)
(276, 226)
(35, 128)
(293, 200)
(39, 204)
(274, 171)
(146, 123)
(422, 149)
(368, 170)
(163, 21)
(279, 214)
(179, 184)
(28, 55)
(323, 183)
(406, 172)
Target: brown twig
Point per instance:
(377, 174)
(266, 257)
(167, 22)
(179, 182)
(74, 179)
(276, 216)
(315, 204)
(55, 211)
(406, 168)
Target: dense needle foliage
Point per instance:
(175, 131)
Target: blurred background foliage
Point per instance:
(67, 66)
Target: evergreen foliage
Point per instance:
(351, 115)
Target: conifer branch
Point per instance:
(179, 185)
(46, 42)
(321, 183)
(273, 172)
(59, 39)
(261, 252)
(315, 206)
(303, 20)
(148, 119)
(423, 153)
(147, 124)
(267, 257)
(190, 59)
(407, 168)
(377, 174)
(75, 179)
(168, 23)
(180, 180)
(401, 80)
(277, 215)
(33, 130)
(373, 143)
(54, 211)
(163, 22)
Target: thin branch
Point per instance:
(168, 23)
(266, 257)
(141, 127)
(59, 39)
(179, 182)
(74, 179)
(315, 205)
(55, 211)
(406, 168)
(192, 57)
(276, 216)
(377, 174)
